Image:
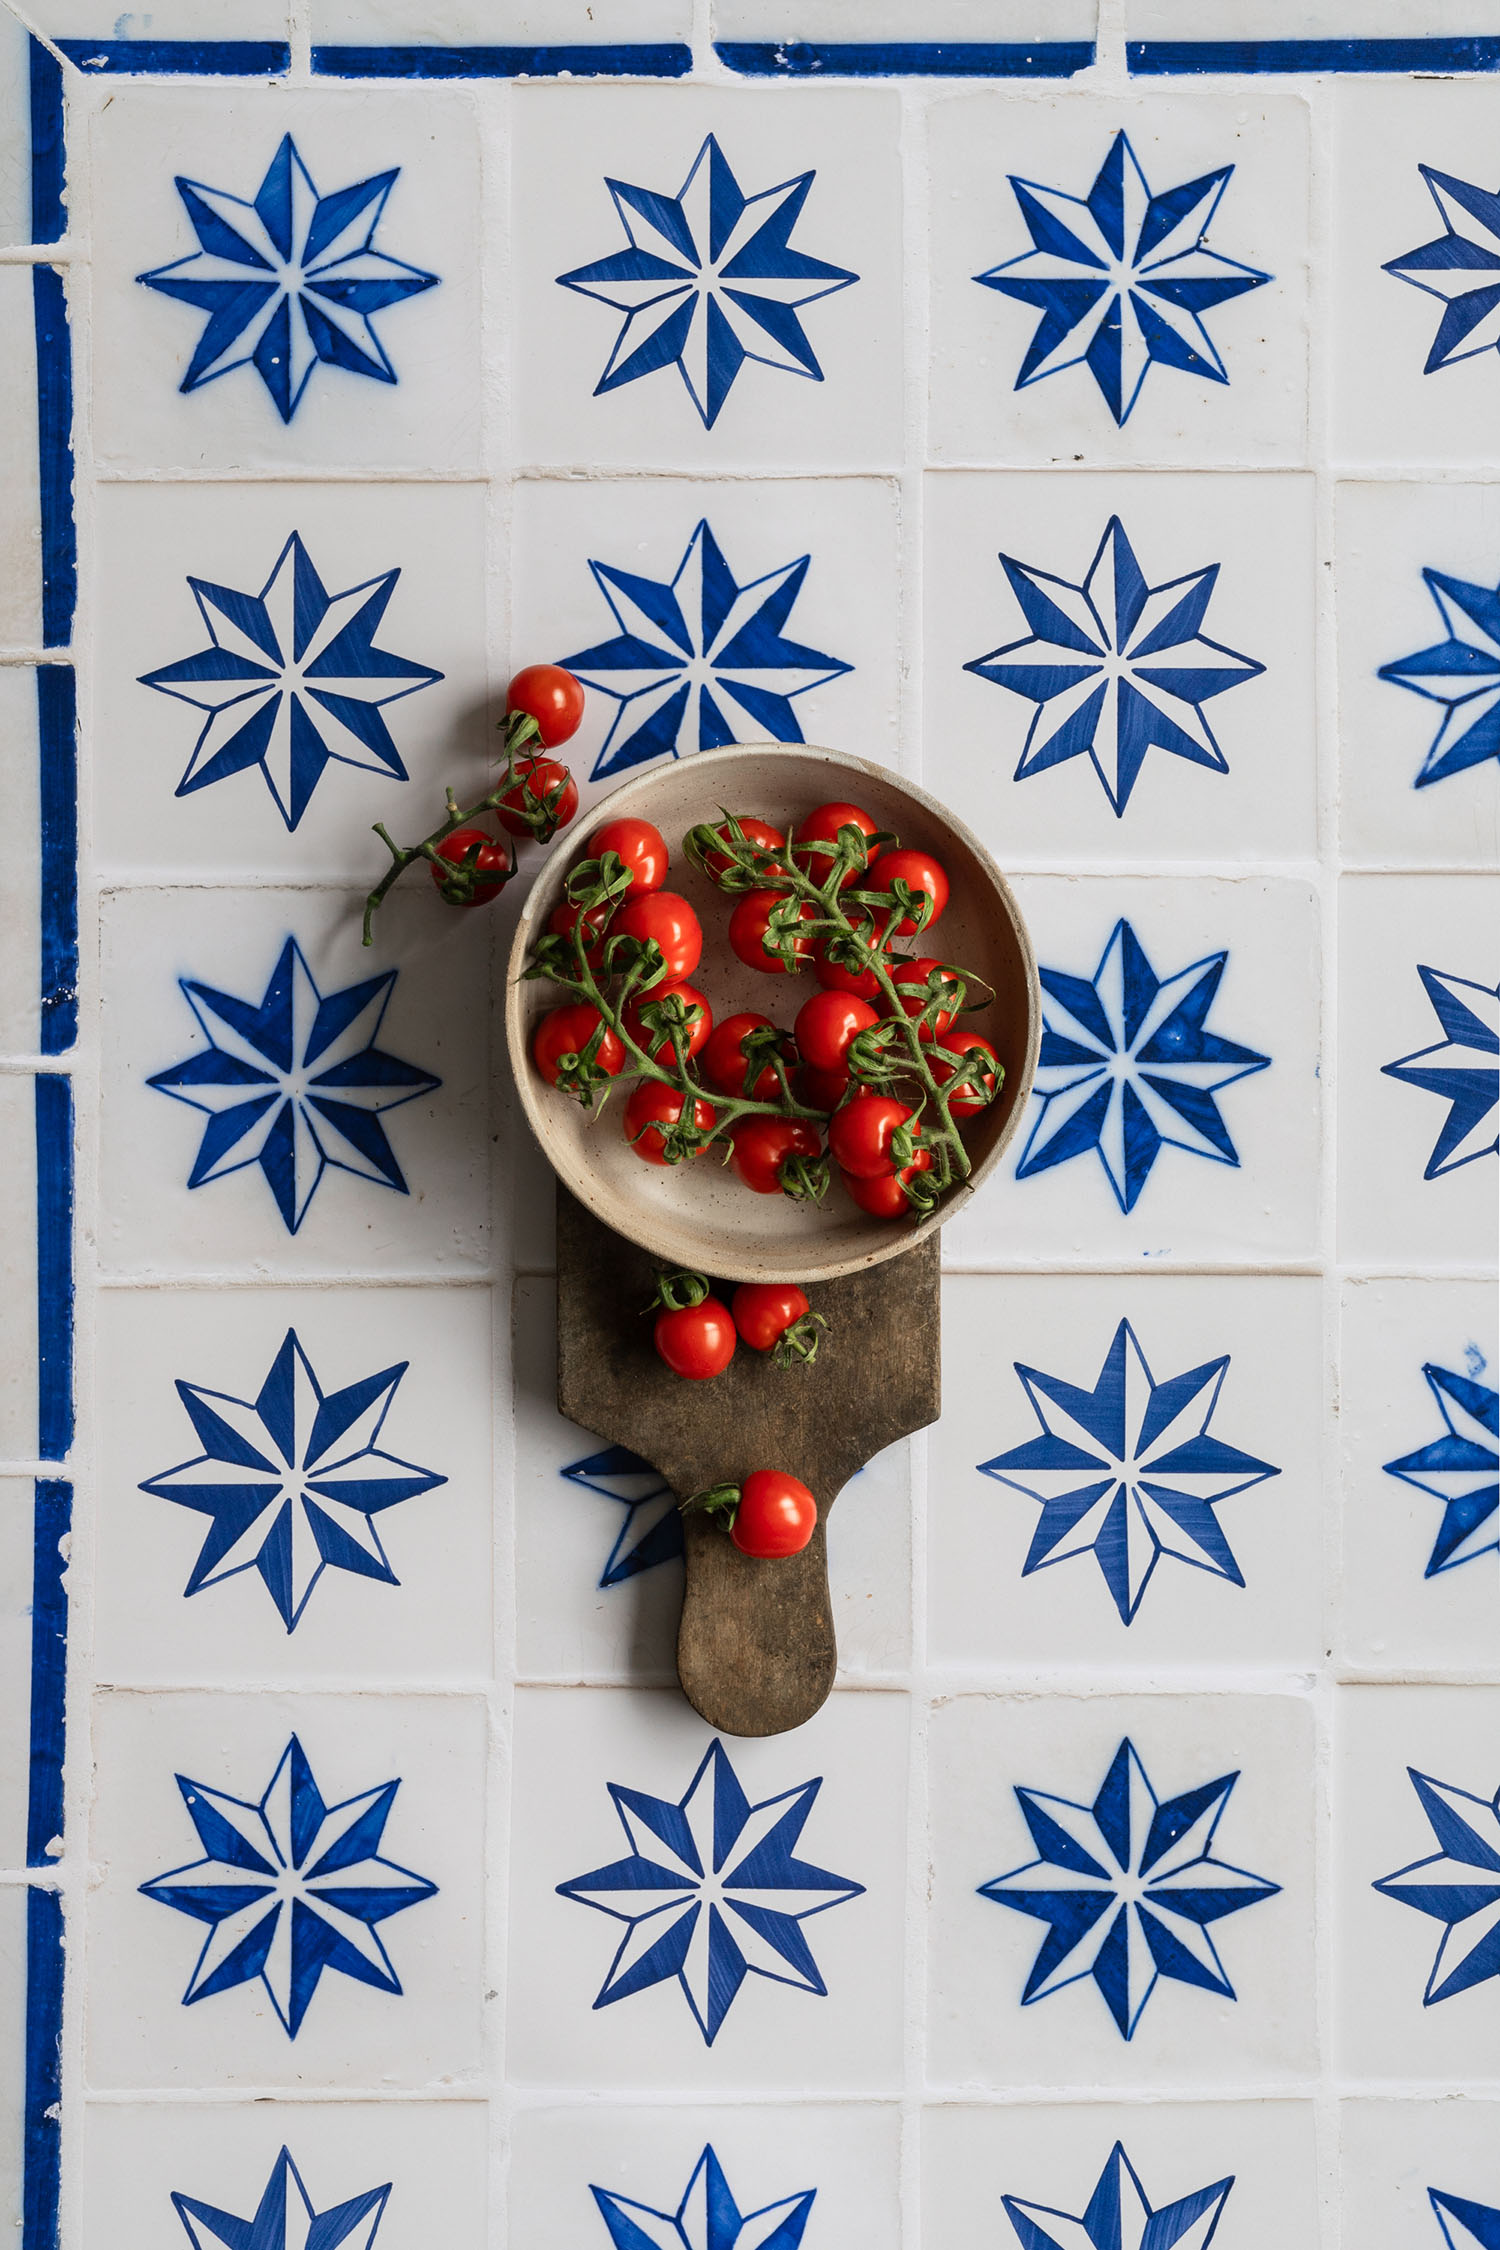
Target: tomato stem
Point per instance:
(518, 729)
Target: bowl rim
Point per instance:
(619, 804)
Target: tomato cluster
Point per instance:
(696, 1331)
(787, 1105)
(471, 864)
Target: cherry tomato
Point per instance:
(756, 831)
(536, 779)
(968, 1101)
(724, 1062)
(776, 1516)
(653, 1105)
(863, 983)
(671, 921)
(822, 1089)
(563, 920)
(763, 1144)
(765, 1310)
(567, 1031)
(883, 1198)
(920, 872)
(700, 1020)
(825, 1025)
(859, 1135)
(696, 1341)
(918, 972)
(822, 825)
(551, 696)
(490, 865)
(747, 930)
(642, 847)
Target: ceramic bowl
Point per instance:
(699, 1214)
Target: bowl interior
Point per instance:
(700, 1214)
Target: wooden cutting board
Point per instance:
(756, 1651)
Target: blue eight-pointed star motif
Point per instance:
(709, 281)
(291, 1480)
(1115, 667)
(711, 1892)
(1128, 1067)
(289, 279)
(652, 1530)
(289, 1886)
(1119, 2216)
(1466, 2225)
(1128, 1471)
(295, 1083)
(1458, 1885)
(691, 648)
(1460, 267)
(284, 2218)
(291, 679)
(1121, 277)
(1463, 1067)
(1462, 673)
(707, 2218)
(1128, 1887)
(1461, 1468)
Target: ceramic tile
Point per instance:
(1416, 171)
(1026, 1987)
(35, 1541)
(379, 1566)
(1205, 1148)
(204, 774)
(1419, 673)
(511, 22)
(1205, 750)
(1414, 1827)
(20, 481)
(767, 610)
(18, 1267)
(286, 1190)
(1214, 1394)
(30, 2021)
(381, 370)
(1355, 20)
(413, 2171)
(377, 1986)
(1243, 2172)
(101, 20)
(1419, 1474)
(15, 131)
(602, 2003)
(1214, 371)
(38, 897)
(1018, 22)
(1420, 2172)
(598, 1543)
(814, 2170)
(808, 374)
(1417, 1070)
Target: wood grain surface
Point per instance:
(756, 1651)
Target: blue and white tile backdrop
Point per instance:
(1092, 415)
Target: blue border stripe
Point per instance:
(42, 2170)
(49, 1666)
(54, 403)
(54, 1265)
(666, 58)
(57, 743)
(1171, 58)
(48, 218)
(905, 58)
(202, 58)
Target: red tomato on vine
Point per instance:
(642, 848)
(669, 919)
(551, 696)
